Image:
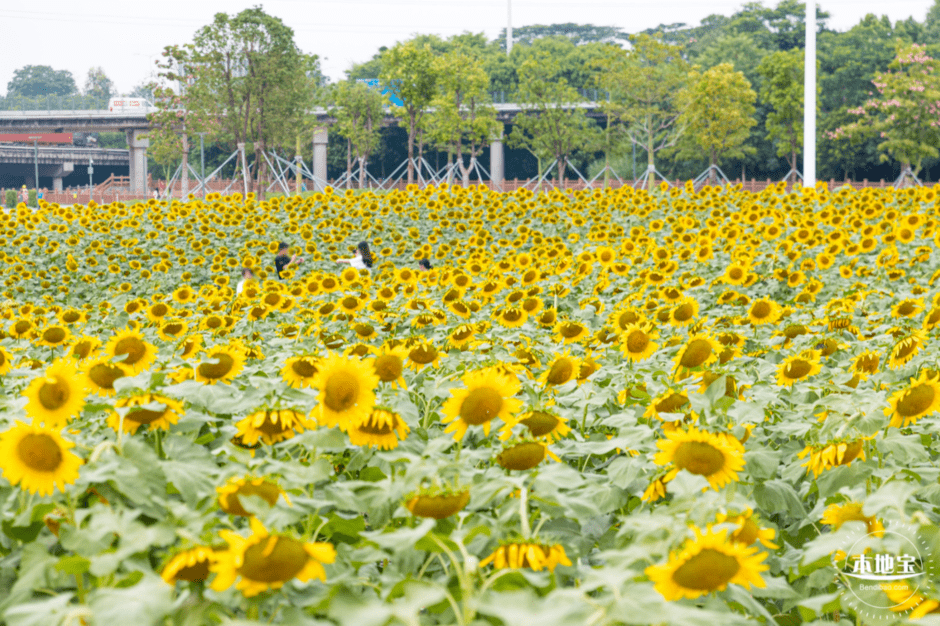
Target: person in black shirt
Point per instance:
(282, 260)
(424, 264)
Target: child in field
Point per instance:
(424, 265)
(247, 275)
(363, 258)
(282, 261)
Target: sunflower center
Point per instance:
(747, 533)
(388, 367)
(540, 423)
(371, 428)
(82, 349)
(304, 368)
(560, 372)
(276, 559)
(512, 315)
(699, 458)
(159, 310)
(217, 370)
(697, 352)
(39, 452)
(54, 335)
(760, 310)
(53, 395)
(906, 348)
(916, 401)
(672, 404)
(481, 405)
(423, 355)
(799, 368)
(906, 308)
(192, 573)
(144, 416)
(736, 273)
(342, 392)
(683, 312)
(133, 347)
(637, 341)
(570, 331)
(70, 317)
(272, 426)
(707, 570)
(104, 374)
(173, 328)
(867, 363)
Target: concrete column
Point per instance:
(59, 173)
(138, 162)
(497, 169)
(320, 139)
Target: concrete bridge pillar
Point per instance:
(59, 173)
(497, 167)
(320, 140)
(138, 161)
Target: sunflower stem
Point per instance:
(524, 513)
(158, 443)
(80, 587)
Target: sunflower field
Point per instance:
(598, 407)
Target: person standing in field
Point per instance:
(282, 261)
(247, 275)
(363, 258)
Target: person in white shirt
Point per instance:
(363, 258)
(247, 275)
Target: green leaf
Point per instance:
(73, 565)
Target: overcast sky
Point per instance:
(125, 37)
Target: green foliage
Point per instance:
(98, 85)
(718, 113)
(904, 114)
(547, 127)
(31, 198)
(33, 81)
(409, 72)
(463, 119)
(359, 115)
(10, 198)
(644, 85)
(782, 90)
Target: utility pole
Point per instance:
(508, 27)
(91, 171)
(809, 99)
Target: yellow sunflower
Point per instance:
(389, 365)
(347, 391)
(53, 336)
(37, 458)
(764, 311)
(299, 371)
(539, 423)
(636, 342)
(906, 348)
(748, 531)
(920, 398)
(147, 409)
(716, 457)
(570, 331)
(383, 429)
(84, 347)
(229, 494)
(533, 556)
(6, 362)
(698, 351)
(102, 373)
(822, 456)
(423, 354)
(221, 364)
(271, 426)
(562, 369)
(798, 367)
(264, 561)
(57, 396)
(436, 504)
(706, 563)
(190, 565)
(129, 348)
(836, 515)
(486, 394)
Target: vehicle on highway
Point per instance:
(129, 105)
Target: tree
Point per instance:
(740, 50)
(41, 80)
(782, 89)
(549, 126)
(185, 108)
(644, 85)
(98, 85)
(256, 80)
(578, 34)
(779, 28)
(359, 116)
(718, 112)
(463, 118)
(408, 71)
(904, 114)
(849, 60)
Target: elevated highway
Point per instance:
(59, 162)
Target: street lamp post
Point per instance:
(91, 171)
(809, 99)
(36, 161)
(508, 27)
